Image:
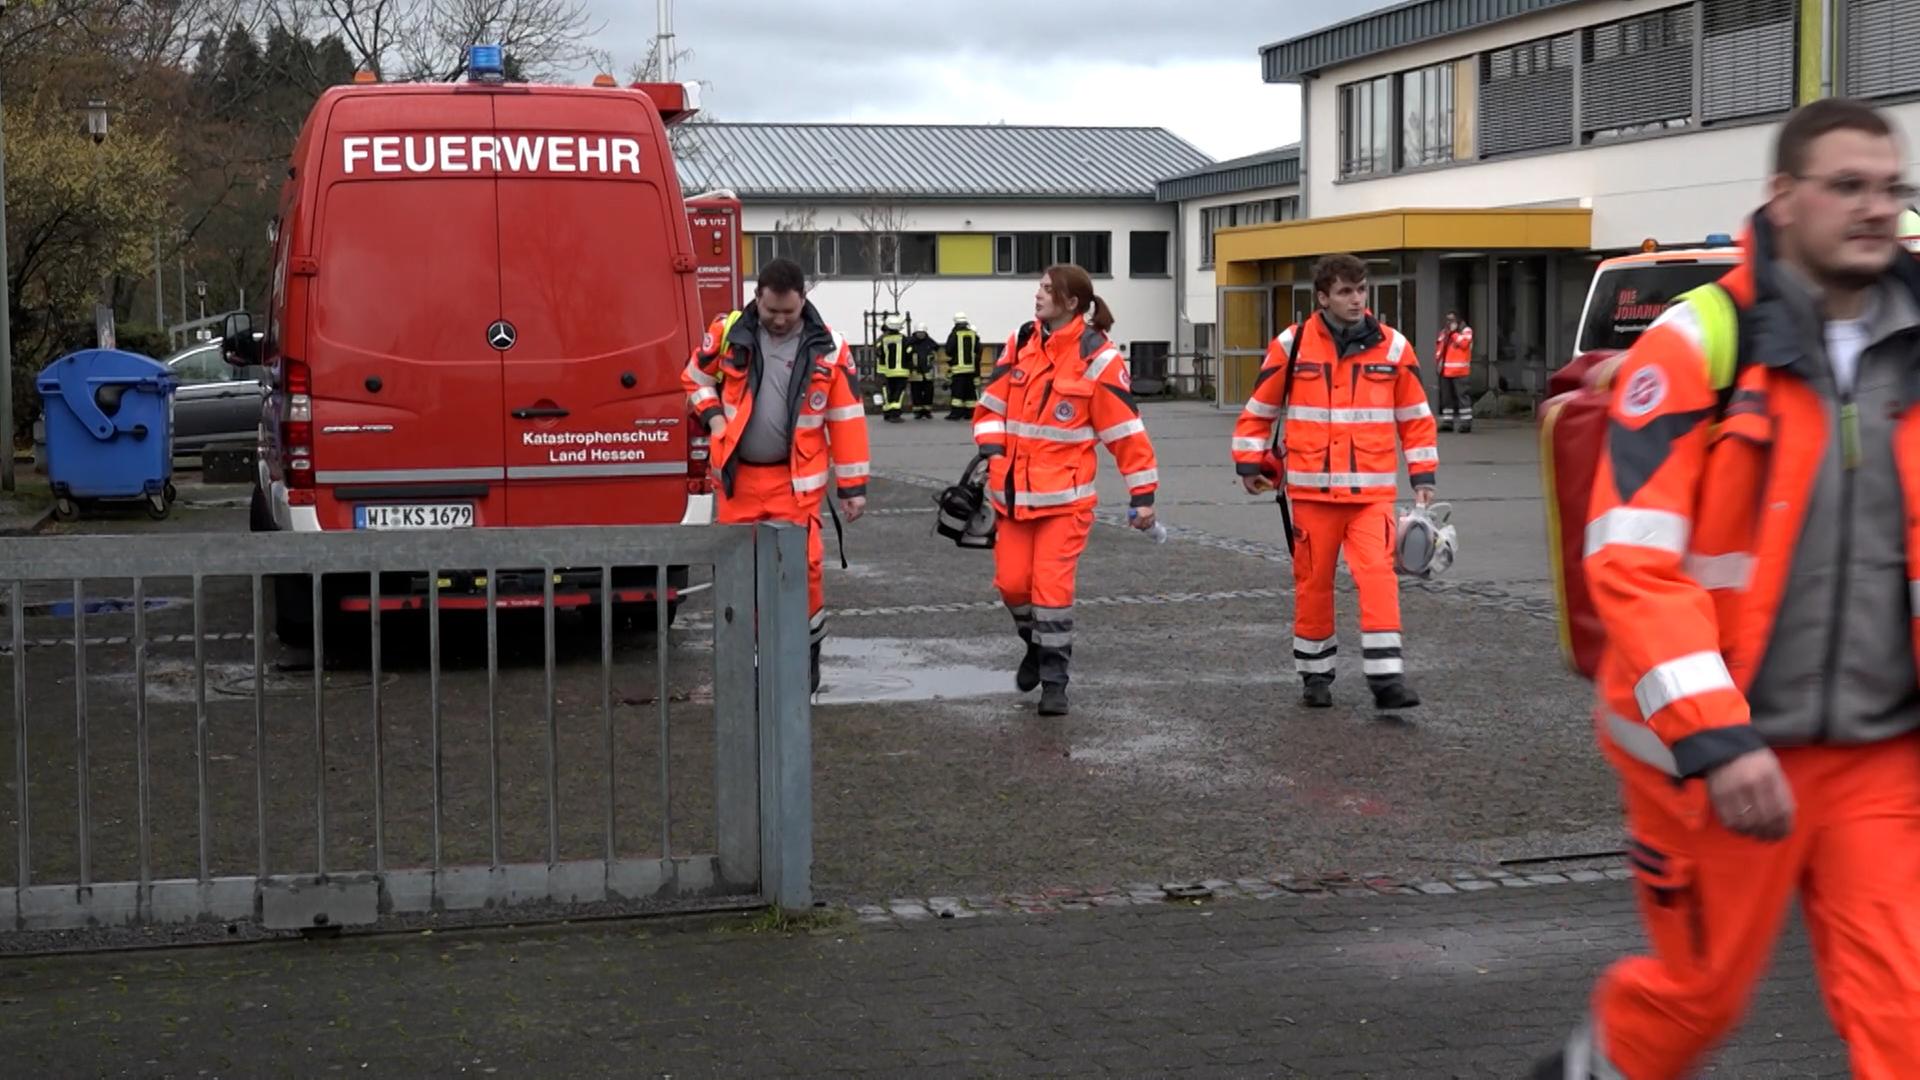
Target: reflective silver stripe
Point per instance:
(634, 468)
(807, 421)
(805, 484)
(819, 619)
(853, 470)
(1677, 680)
(1285, 339)
(1716, 572)
(1413, 412)
(1638, 741)
(1391, 666)
(846, 412)
(1423, 455)
(1308, 645)
(1373, 641)
(732, 411)
(1103, 360)
(994, 402)
(1263, 410)
(1121, 431)
(1398, 348)
(408, 476)
(1249, 446)
(704, 395)
(1314, 414)
(1141, 478)
(989, 427)
(1660, 530)
(700, 377)
(1342, 479)
(1053, 498)
(1046, 433)
(1313, 667)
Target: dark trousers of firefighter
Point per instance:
(961, 396)
(1034, 565)
(923, 395)
(896, 396)
(765, 493)
(1456, 404)
(1713, 903)
(1365, 532)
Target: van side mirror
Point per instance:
(239, 346)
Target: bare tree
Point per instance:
(797, 237)
(426, 40)
(881, 225)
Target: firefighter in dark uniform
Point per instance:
(963, 369)
(891, 366)
(922, 348)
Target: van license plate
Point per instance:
(417, 516)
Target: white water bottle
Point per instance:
(1157, 532)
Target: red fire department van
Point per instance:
(483, 294)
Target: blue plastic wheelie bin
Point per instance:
(109, 421)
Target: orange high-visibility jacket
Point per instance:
(1454, 353)
(1050, 398)
(1699, 503)
(1342, 418)
(829, 422)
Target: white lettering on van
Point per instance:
(593, 155)
(522, 154)
(419, 163)
(626, 152)
(354, 148)
(386, 154)
(453, 153)
(486, 153)
(560, 155)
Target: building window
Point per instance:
(1526, 96)
(1882, 49)
(1147, 254)
(1426, 116)
(1637, 75)
(917, 253)
(765, 249)
(1366, 127)
(1147, 360)
(1093, 252)
(1215, 218)
(1031, 251)
(1003, 255)
(827, 250)
(1063, 247)
(1748, 55)
(860, 253)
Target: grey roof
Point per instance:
(931, 161)
(1388, 29)
(1279, 167)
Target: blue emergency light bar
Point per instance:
(1719, 239)
(485, 64)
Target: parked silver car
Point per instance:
(216, 404)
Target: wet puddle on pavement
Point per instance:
(859, 671)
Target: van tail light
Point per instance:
(296, 428)
(699, 457)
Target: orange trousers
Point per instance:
(1713, 903)
(1321, 530)
(1035, 562)
(765, 493)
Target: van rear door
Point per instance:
(406, 386)
(592, 241)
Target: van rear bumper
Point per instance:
(289, 518)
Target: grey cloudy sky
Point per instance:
(1192, 67)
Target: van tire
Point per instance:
(293, 610)
(259, 514)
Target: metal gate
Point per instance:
(145, 790)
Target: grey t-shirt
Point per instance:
(768, 439)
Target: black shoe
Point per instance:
(1395, 695)
(1053, 700)
(1553, 1068)
(1446, 425)
(894, 418)
(1028, 676)
(1466, 429)
(1318, 696)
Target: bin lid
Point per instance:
(76, 376)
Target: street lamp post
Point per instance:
(6, 330)
(102, 311)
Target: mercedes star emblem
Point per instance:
(501, 335)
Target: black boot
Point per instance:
(1028, 676)
(1053, 699)
(1394, 693)
(1553, 1068)
(813, 667)
(1318, 694)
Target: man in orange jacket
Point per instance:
(777, 390)
(1453, 355)
(1354, 383)
(1754, 555)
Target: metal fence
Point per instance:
(134, 806)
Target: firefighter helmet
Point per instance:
(965, 514)
(892, 322)
(1425, 541)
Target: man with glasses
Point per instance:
(1754, 549)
